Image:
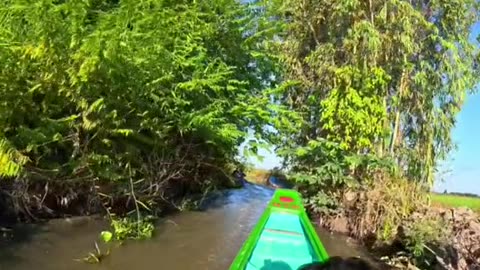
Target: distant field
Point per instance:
(447, 200)
(258, 176)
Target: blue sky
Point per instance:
(464, 163)
(463, 166)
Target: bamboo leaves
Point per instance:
(128, 80)
(11, 161)
(382, 76)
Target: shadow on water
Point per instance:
(50, 245)
(249, 194)
(10, 240)
(279, 182)
(207, 239)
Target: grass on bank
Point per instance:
(448, 200)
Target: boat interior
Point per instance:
(283, 244)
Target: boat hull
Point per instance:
(282, 239)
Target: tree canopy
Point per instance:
(155, 91)
(376, 78)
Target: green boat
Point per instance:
(283, 238)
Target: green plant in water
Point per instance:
(95, 256)
(106, 236)
(129, 228)
(123, 229)
(98, 255)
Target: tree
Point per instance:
(151, 98)
(380, 78)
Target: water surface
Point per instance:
(207, 239)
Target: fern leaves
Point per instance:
(11, 161)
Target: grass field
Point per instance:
(447, 200)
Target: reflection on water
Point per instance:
(206, 239)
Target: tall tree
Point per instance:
(380, 77)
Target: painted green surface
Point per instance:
(282, 239)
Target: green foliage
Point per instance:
(375, 87)
(106, 236)
(323, 167)
(352, 112)
(390, 204)
(423, 232)
(382, 77)
(149, 100)
(129, 228)
(163, 92)
(10, 160)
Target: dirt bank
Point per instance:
(460, 251)
(463, 249)
(26, 200)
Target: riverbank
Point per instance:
(459, 249)
(129, 216)
(258, 176)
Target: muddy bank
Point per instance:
(462, 250)
(26, 200)
(459, 251)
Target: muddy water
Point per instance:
(207, 239)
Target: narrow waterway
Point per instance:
(207, 239)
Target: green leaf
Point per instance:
(106, 236)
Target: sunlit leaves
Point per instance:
(106, 236)
(380, 77)
(98, 85)
(11, 161)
